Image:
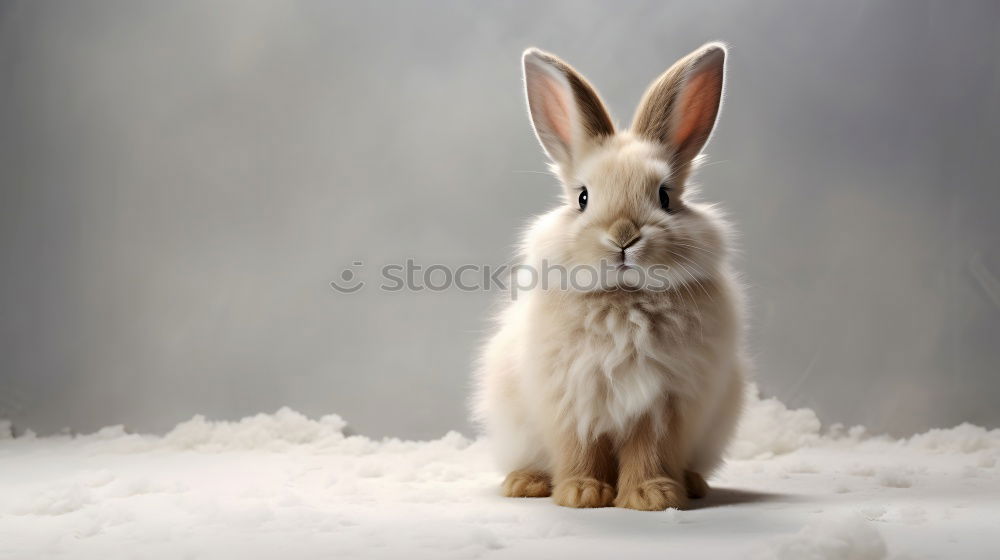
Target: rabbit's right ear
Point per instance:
(680, 108)
(565, 110)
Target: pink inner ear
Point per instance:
(698, 105)
(555, 108)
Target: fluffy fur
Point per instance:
(614, 395)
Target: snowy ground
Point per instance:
(284, 486)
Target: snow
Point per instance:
(284, 484)
(845, 539)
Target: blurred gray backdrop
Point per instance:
(180, 181)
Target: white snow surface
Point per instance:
(285, 486)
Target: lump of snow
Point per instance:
(894, 478)
(57, 500)
(264, 431)
(986, 461)
(912, 515)
(964, 438)
(768, 427)
(872, 513)
(861, 470)
(848, 539)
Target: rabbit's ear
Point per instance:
(679, 109)
(565, 110)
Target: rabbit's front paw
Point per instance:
(653, 495)
(527, 484)
(583, 493)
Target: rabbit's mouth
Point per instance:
(627, 260)
(625, 254)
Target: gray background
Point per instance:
(179, 181)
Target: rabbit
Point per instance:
(615, 393)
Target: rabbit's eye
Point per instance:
(664, 198)
(583, 198)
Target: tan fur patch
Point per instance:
(650, 464)
(527, 484)
(585, 472)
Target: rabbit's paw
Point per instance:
(583, 493)
(527, 484)
(653, 495)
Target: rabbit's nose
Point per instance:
(623, 233)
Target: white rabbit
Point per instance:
(620, 393)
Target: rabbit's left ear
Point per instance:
(565, 110)
(679, 109)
